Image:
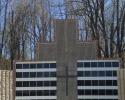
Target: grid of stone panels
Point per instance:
(97, 79)
(36, 80)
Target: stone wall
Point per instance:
(6, 85)
(121, 83)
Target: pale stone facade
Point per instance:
(121, 80)
(121, 84)
(6, 85)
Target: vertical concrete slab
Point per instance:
(65, 31)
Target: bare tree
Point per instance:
(105, 22)
(4, 26)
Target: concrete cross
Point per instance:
(66, 50)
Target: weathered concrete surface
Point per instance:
(6, 85)
(46, 51)
(66, 50)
